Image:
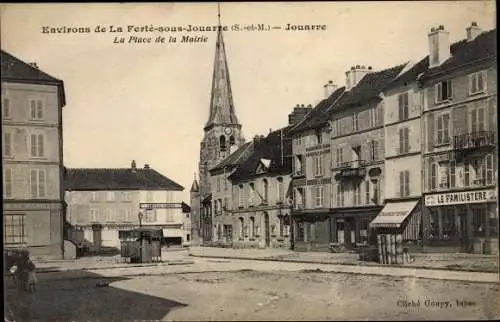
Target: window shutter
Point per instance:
(33, 183)
(33, 145)
(407, 138)
(437, 92)
(401, 141)
(481, 121)
(430, 131)
(400, 107)
(401, 184)
(407, 183)
(41, 183)
(449, 89)
(41, 145)
(33, 109)
(492, 114)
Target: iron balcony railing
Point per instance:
(474, 140)
(355, 168)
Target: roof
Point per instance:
(15, 70)
(465, 52)
(411, 74)
(235, 158)
(368, 88)
(319, 116)
(195, 187)
(117, 179)
(269, 148)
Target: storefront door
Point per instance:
(350, 232)
(465, 246)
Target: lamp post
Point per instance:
(140, 215)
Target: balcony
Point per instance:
(351, 169)
(474, 140)
(299, 173)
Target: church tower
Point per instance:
(222, 130)
(222, 135)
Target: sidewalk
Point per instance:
(438, 261)
(169, 257)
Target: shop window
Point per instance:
(14, 229)
(448, 221)
(493, 220)
(363, 230)
(434, 224)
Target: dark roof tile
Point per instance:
(117, 179)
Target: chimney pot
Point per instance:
(133, 165)
(441, 27)
(358, 67)
(474, 24)
(353, 68)
(146, 166)
(369, 67)
(433, 29)
(330, 82)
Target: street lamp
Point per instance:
(140, 215)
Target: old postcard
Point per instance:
(250, 161)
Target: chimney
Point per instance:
(34, 65)
(439, 46)
(355, 74)
(133, 166)
(298, 114)
(146, 166)
(473, 31)
(329, 88)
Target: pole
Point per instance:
(281, 145)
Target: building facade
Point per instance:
(32, 148)
(100, 202)
(460, 142)
(222, 136)
(260, 213)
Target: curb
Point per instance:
(344, 264)
(55, 270)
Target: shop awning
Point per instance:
(393, 214)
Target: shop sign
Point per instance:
(463, 197)
(159, 205)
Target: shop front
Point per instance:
(465, 221)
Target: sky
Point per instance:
(149, 102)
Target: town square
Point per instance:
(250, 161)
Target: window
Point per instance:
(6, 108)
(36, 109)
(127, 196)
(355, 122)
(281, 226)
(357, 194)
(404, 140)
(251, 198)
(242, 227)
(403, 106)
(466, 173)
(218, 183)
(265, 188)
(222, 143)
(338, 127)
(318, 196)
(252, 227)
(452, 180)
(404, 183)
(367, 192)
(443, 91)
(477, 82)
(433, 181)
(281, 191)
(93, 215)
(188, 237)
(7, 144)
(489, 170)
(8, 175)
(225, 207)
(478, 120)
(37, 145)
(225, 183)
(339, 156)
(318, 137)
(443, 129)
(110, 196)
(373, 117)
(94, 196)
(110, 215)
(240, 196)
(37, 183)
(14, 229)
(318, 165)
(373, 151)
(340, 195)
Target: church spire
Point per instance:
(221, 102)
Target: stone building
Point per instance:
(222, 136)
(460, 142)
(260, 214)
(100, 202)
(32, 146)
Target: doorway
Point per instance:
(267, 230)
(465, 246)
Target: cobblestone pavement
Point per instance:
(220, 290)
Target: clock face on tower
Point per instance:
(228, 131)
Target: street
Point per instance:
(217, 289)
